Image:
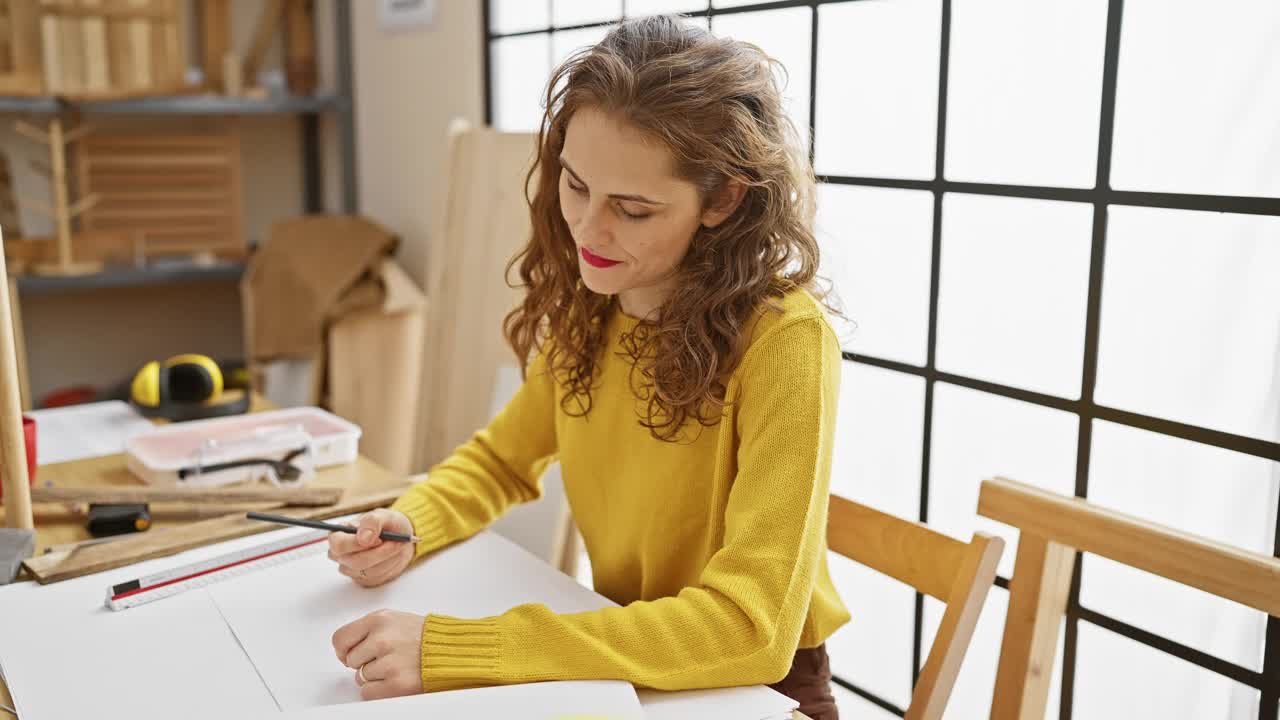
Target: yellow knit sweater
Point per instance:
(715, 545)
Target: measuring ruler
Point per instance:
(206, 572)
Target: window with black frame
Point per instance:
(1057, 229)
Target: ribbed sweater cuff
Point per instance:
(428, 523)
(459, 653)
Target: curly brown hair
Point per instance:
(715, 104)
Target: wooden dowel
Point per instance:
(13, 451)
(307, 496)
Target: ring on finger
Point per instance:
(360, 674)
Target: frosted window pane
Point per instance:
(971, 697)
(1201, 489)
(521, 69)
(1119, 678)
(879, 439)
(876, 245)
(508, 16)
(873, 651)
(564, 44)
(1024, 90)
(853, 706)
(578, 12)
(1189, 318)
(977, 436)
(1014, 290)
(877, 113)
(636, 8)
(785, 36)
(1198, 98)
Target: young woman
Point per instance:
(681, 369)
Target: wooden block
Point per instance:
(71, 53)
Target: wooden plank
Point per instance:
(71, 54)
(366, 486)
(93, 27)
(24, 18)
(1246, 577)
(302, 496)
(215, 33)
(967, 597)
(267, 30)
(175, 47)
(1038, 596)
(300, 47)
(120, 59)
(51, 39)
(904, 550)
(140, 50)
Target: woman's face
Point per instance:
(631, 218)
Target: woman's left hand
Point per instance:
(385, 650)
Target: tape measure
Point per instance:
(206, 572)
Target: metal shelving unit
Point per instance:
(309, 111)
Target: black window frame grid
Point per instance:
(1101, 197)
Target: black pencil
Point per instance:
(398, 537)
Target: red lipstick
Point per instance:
(597, 261)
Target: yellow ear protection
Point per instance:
(188, 387)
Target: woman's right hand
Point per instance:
(365, 557)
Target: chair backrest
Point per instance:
(1051, 529)
(957, 573)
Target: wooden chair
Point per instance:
(1052, 529)
(957, 573)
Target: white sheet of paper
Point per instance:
(67, 656)
(755, 702)
(609, 699)
(285, 617)
(85, 431)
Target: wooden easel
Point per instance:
(62, 210)
(13, 452)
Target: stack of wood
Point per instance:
(111, 48)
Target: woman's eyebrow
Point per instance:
(615, 196)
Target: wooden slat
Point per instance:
(300, 47)
(71, 53)
(966, 598)
(302, 496)
(140, 50)
(50, 40)
(120, 61)
(24, 18)
(1246, 577)
(904, 550)
(215, 33)
(266, 31)
(93, 28)
(1038, 596)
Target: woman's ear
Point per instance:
(724, 203)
